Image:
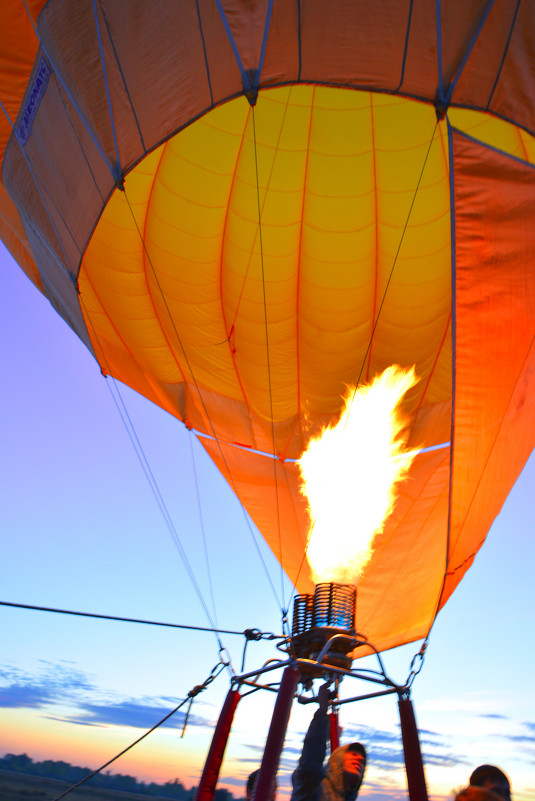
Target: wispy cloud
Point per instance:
(137, 714)
(18, 695)
(53, 682)
(385, 750)
(62, 684)
(232, 780)
(524, 737)
(74, 721)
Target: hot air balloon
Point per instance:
(243, 207)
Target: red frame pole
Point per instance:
(334, 730)
(414, 765)
(277, 732)
(212, 766)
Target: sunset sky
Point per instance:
(82, 531)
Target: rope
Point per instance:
(395, 258)
(413, 672)
(65, 267)
(159, 498)
(145, 466)
(121, 619)
(203, 529)
(119, 169)
(192, 693)
(123, 78)
(214, 434)
(71, 97)
(268, 363)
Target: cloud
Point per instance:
(73, 720)
(525, 737)
(494, 716)
(288, 763)
(445, 760)
(293, 749)
(385, 750)
(429, 733)
(54, 682)
(135, 714)
(258, 748)
(232, 780)
(16, 696)
(63, 684)
(521, 738)
(368, 734)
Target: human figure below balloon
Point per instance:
(492, 778)
(341, 779)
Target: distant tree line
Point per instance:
(57, 769)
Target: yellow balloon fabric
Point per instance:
(239, 225)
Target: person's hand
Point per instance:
(324, 697)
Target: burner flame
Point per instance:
(350, 474)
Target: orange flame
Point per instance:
(349, 476)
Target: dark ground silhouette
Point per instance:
(31, 779)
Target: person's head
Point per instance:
(354, 764)
(251, 783)
(492, 778)
(345, 770)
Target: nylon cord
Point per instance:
(268, 183)
(108, 93)
(123, 77)
(260, 240)
(192, 693)
(117, 756)
(378, 314)
(70, 96)
(214, 434)
(119, 619)
(203, 529)
(471, 555)
(386, 290)
(158, 496)
(65, 267)
(395, 260)
(145, 466)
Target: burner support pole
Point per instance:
(277, 732)
(414, 765)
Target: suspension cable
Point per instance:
(121, 619)
(414, 671)
(159, 498)
(203, 528)
(200, 395)
(268, 361)
(192, 694)
(151, 479)
(402, 237)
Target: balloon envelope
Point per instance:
(243, 207)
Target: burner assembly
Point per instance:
(321, 646)
(317, 618)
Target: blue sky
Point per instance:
(82, 530)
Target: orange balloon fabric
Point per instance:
(242, 207)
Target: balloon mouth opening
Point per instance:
(323, 626)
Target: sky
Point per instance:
(82, 530)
